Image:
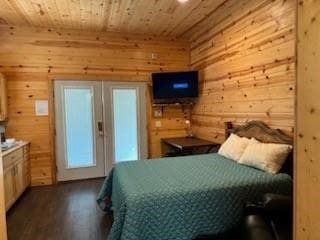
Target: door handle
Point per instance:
(100, 128)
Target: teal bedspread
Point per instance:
(180, 198)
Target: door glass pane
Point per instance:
(79, 127)
(125, 124)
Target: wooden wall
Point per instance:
(30, 58)
(245, 52)
(308, 119)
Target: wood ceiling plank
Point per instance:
(33, 12)
(123, 15)
(46, 13)
(98, 11)
(181, 15)
(50, 9)
(40, 13)
(86, 15)
(64, 13)
(19, 13)
(149, 21)
(151, 17)
(8, 15)
(196, 14)
(106, 15)
(115, 9)
(74, 8)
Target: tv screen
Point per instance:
(175, 85)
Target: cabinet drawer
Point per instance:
(12, 157)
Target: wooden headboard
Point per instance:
(262, 132)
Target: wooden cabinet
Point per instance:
(3, 98)
(16, 167)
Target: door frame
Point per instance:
(77, 77)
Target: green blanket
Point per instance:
(180, 198)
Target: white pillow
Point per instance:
(265, 156)
(234, 147)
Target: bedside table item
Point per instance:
(182, 146)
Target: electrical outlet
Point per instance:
(158, 124)
(154, 56)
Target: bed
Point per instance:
(180, 198)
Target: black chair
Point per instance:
(270, 219)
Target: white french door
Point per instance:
(79, 133)
(98, 124)
(125, 117)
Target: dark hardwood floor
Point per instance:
(65, 211)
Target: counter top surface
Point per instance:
(10, 150)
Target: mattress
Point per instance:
(182, 197)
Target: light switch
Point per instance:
(158, 113)
(158, 124)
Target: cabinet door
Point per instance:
(9, 186)
(19, 178)
(3, 98)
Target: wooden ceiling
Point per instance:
(152, 17)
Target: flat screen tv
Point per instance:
(175, 86)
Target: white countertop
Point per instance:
(10, 150)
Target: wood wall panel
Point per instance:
(307, 195)
(31, 58)
(173, 125)
(23, 90)
(245, 52)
